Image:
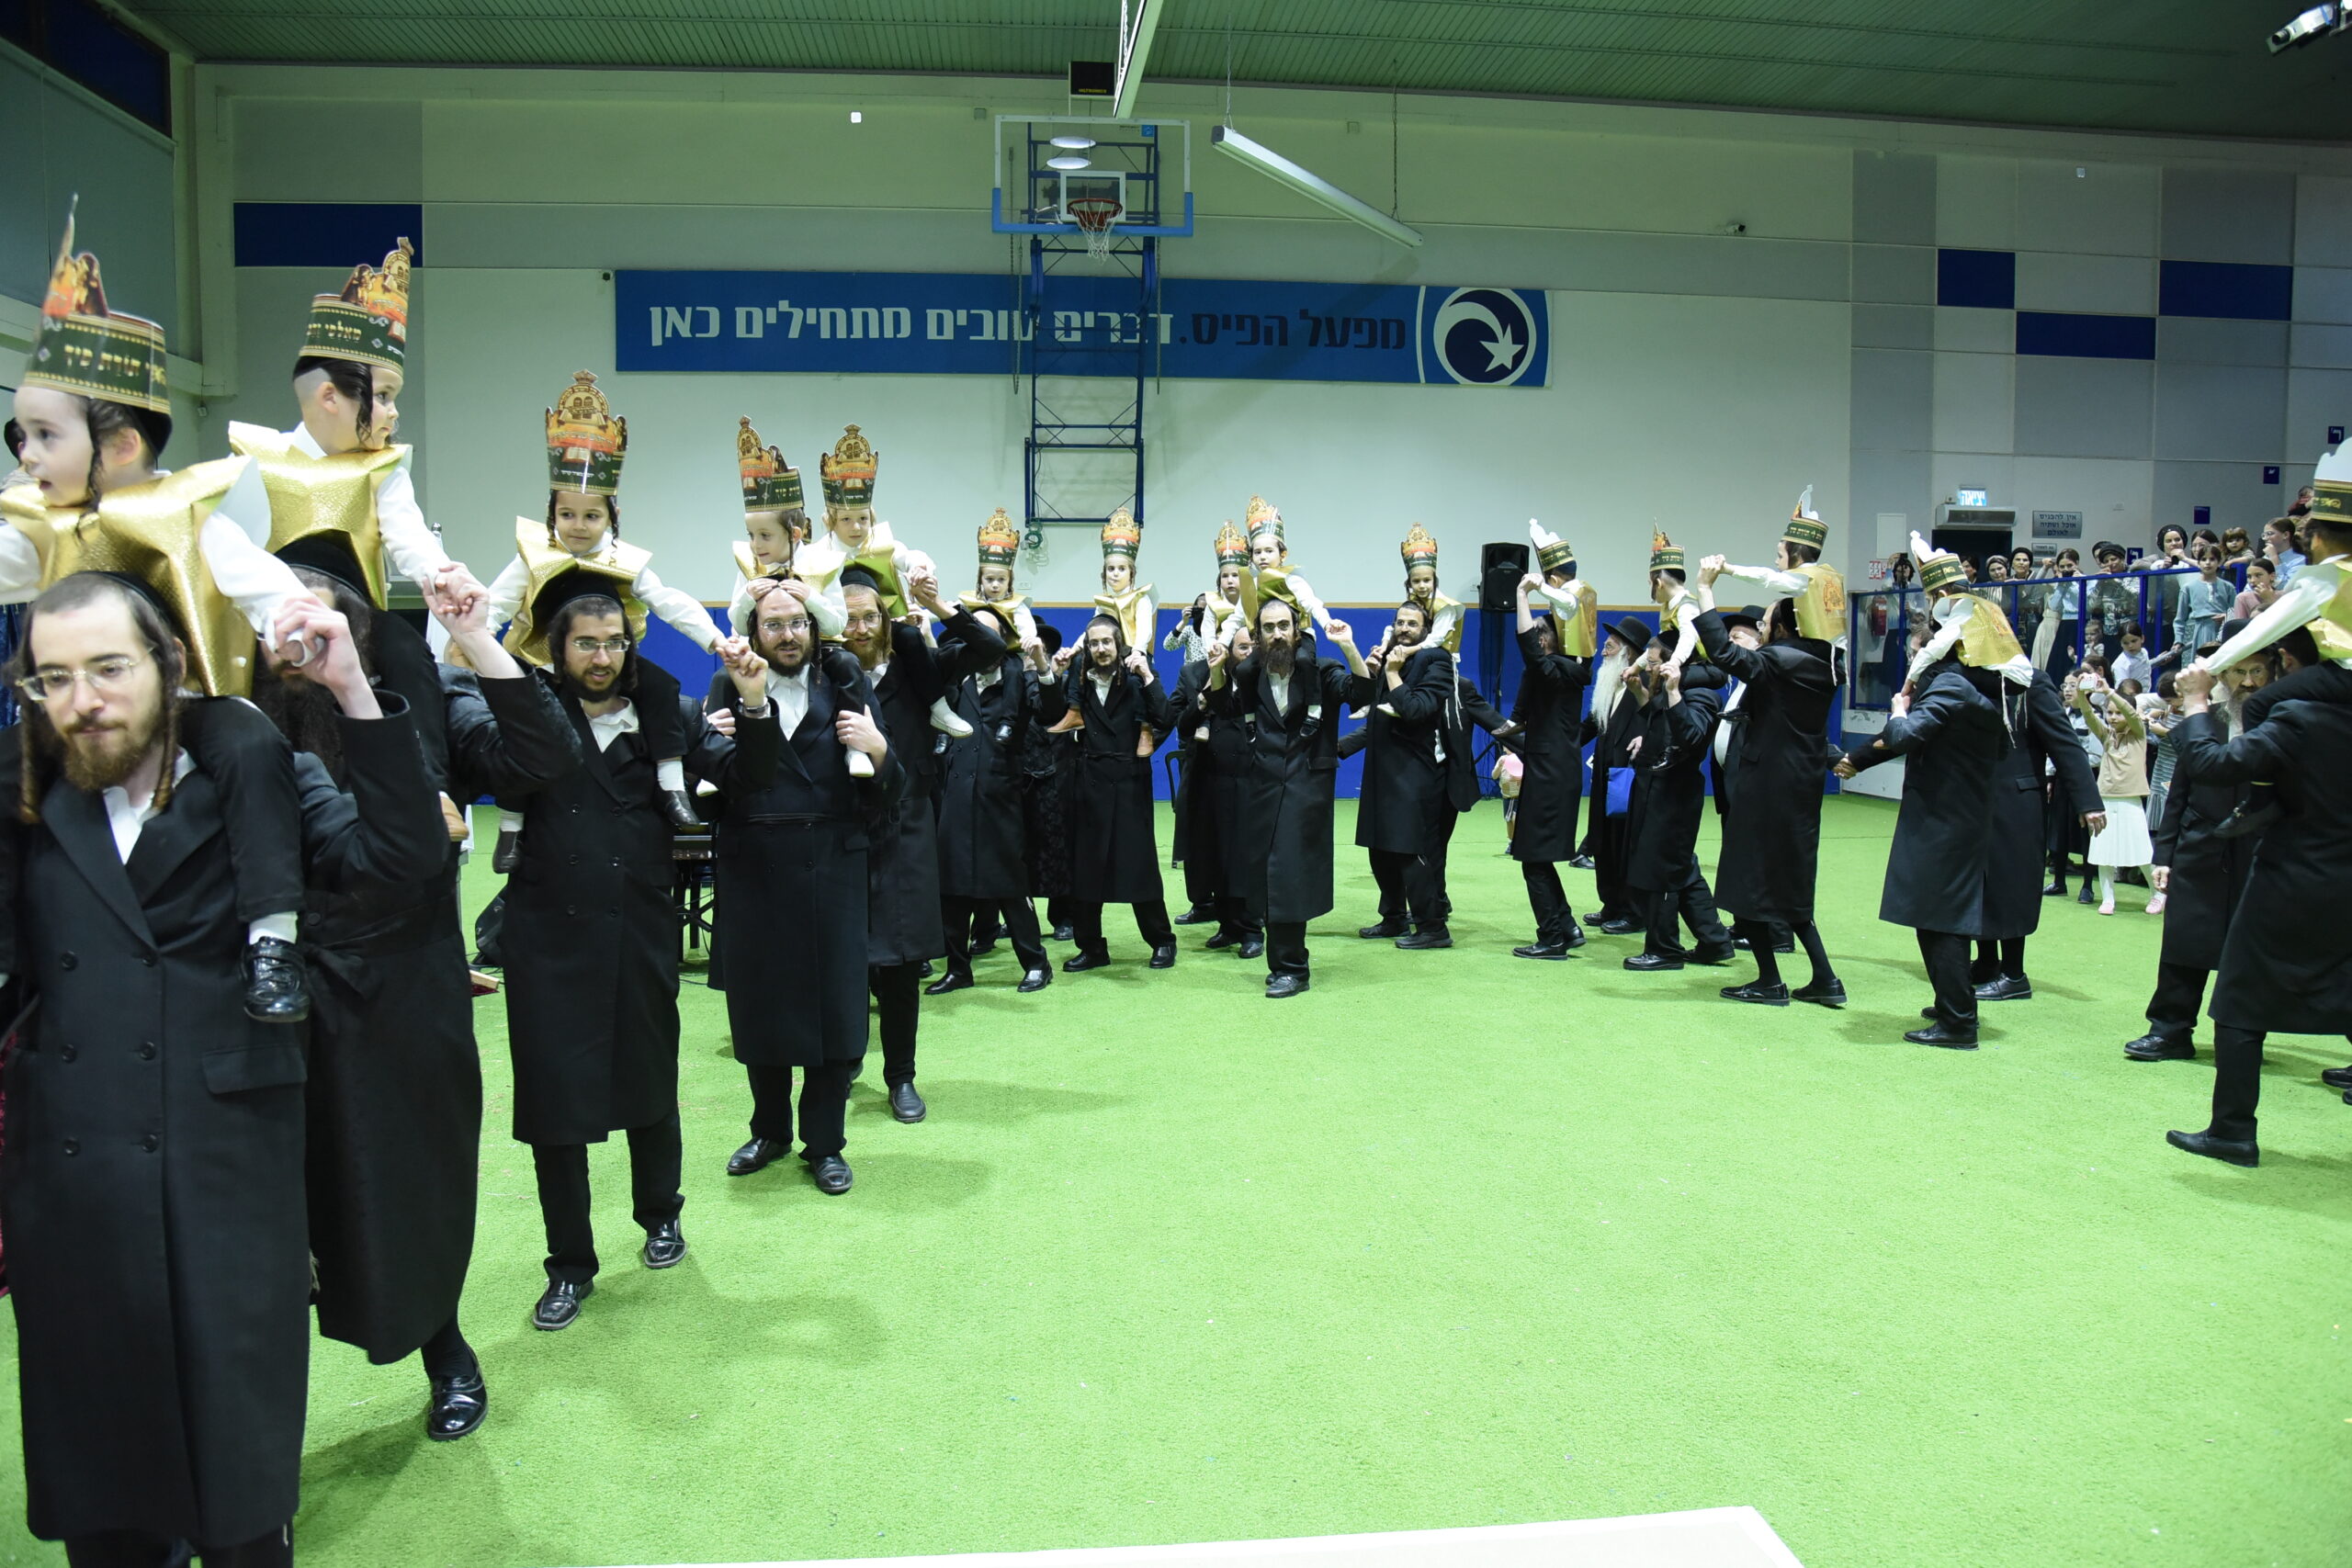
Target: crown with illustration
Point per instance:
(586, 443)
(1418, 548)
(1264, 520)
(1665, 554)
(367, 322)
(847, 471)
(1232, 546)
(999, 540)
(770, 483)
(83, 347)
(1805, 526)
(1121, 536)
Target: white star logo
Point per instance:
(1503, 353)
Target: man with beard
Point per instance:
(1619, 712)
(904, 927)
(1115, 848)
(791, 856)
(983, 872)
(1291, 703)
(1416, 768)
(1208, 802)
(394, 1093)
(153, 1196)
(1669, 802)
(1550, 697)
(592, 948)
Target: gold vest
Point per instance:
(1127, 609)
(1821, 608)
(1986, 642)
(546, 561)
(1579, 634)
(1681, 607)
(309, 496)
(1007, 610)
(152, 532)
(1438, 605)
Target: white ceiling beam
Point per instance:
(1134, 45)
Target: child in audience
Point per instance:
(2115, 723)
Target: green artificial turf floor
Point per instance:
(1455, 1239)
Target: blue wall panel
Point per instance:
(2232, 290)
(325, 234)
(1985, 279)
(2069, 336)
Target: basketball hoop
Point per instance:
(1094, 215)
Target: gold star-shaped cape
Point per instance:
(614, 564)
(331, 498)
(1130, 610)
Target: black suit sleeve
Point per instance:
(506, 736)
(1419, 696)
(744, 763)
(1746, 663)
(387, 830)
(2202, 754)
(967, 646)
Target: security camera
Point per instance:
(2327, 18)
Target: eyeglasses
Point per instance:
(587, 647)
(106, 677)
(797, 624)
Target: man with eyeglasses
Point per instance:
(153, 1197)
(591, 943)
(792, 851)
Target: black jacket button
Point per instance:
(66, 961)
(72, 1145)
(67, 1053)
(147, 1050)
(148, 959)
(151, 1143)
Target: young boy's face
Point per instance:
(580, 520)
(57, 444)
(996, 582)
(1266, 553)
(1422, 583)
(852, 525)
(771, 540)
(1118, 572)
(1228, 583)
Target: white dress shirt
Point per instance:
(608, 728)
(790, 695)
(127, 819)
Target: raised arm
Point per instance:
(681, 610)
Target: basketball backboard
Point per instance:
(1044, 161)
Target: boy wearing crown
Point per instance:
(1800, 575)
(775, 526)
(1000, 543)
(1677, 608)
(576, 550)
(1270, 565)
(96, 412)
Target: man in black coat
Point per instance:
(983, 837)
(1114, 829)
(1668, 807)
(153, 1191)
(2284, 965)
(1290, 701)
(394, 1090)
(791, 856)
(1208, 804)
(2047, 755)
(1549, 712)
(1416, 765)
(1955, 735)
(591, 940)
(1619, 713)
(1772, 816)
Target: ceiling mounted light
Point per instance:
(1272, 164)
(1075, 143)
(1068, 161)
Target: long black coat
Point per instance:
(152, 1188)
(790, 858)
(1669, 804)
(1955, 739)
(1550, 708)
(983, 836)
(1209, 797)
(1404, 801)
(1283, 833)
(591, 947)
(1778, 756)
(394, 1096)
(903, 917)
(2284, 965)
(1113, 834)
(2013, 877)
(2206, 876)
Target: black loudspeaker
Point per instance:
(1501, 567)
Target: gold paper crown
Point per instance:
(847, 471)
(1805, 527)
(2331, 488)
(1418, 548)
(1232, 544)
(1559, 553)
(1665, 554)
(1263, 518)
(83, 347)
(1941, 569)
(586, 443)
(1121, 536)
(999, 540)
(770, 483)
(367, 322)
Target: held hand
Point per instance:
(1530, 585)
(2163, 878)
(334, 658)
(924, 585)
(1633, 747)
(856, 730)
(1711, 568)
(2195, 683)
(1845, 768)
(1137, 665)
(459, 603)
(2095, 820)
(1034, 651)
(1669, 676)
(1061, 659)
(1341, 632)
(747, 668)
(1899, 704)
(1217, 653)
(721, 721)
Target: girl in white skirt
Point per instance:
(2122, 788)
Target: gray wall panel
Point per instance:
(2199, 340)
(2234, 492)
(1894, 198)
(55, 143)
(1894, 275)
(2229, 215)
(2084, 408)
(328, 150)
(1894, 399)
(2220, 412)
(1894, 326)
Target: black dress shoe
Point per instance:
(1713, 956)
(981, 947)
(681, 811)
(2054, 890)
(507, 854)
(1775, 996)
(458, 1406)
(1252, 947)
(1938, 1034)
(2087, 896)
(928, 971)
(2005, 988)
(1784, 944)
(1426, 937)
(1099, 959)
(1829, 993)
(1063, 933)
(1599, 917)
(1164, 957)
(2336, 1078)
(757, 1155)
(2248, 818)
(1035, 980)
(1383, 929)
(1647, 963)
(1580, 863)
(1280, 985)
(953, 980)
(1618, 928)
(1575, 938)
(1226, 937)
(276, 989)
(905, 1104)
(560, 1303)
(831, 1173)
(2155, 1047)
(665, 1247)
(2211, 1147)
(1550, 947)
(1196, 916)
(1742, 943)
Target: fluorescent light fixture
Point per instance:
(1135, 45)
(1069, 161)
(1074, 143)
(1312, 187)
(2311, 24)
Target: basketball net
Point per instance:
(1094, 215)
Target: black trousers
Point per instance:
(2172, 1010)
(1686, 902)
(655, 1154)
(1151, 924)
(1946, 955)
(2237, 1081)
(131, 1548)
(1286, 947)
(1235, 918)
(966, 917)
(1412, 886)
(1607, 836)
(1549, 900)
(897, 1007)
(824, 1105)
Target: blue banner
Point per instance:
(922, 323)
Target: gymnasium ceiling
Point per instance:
(2187, 66)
